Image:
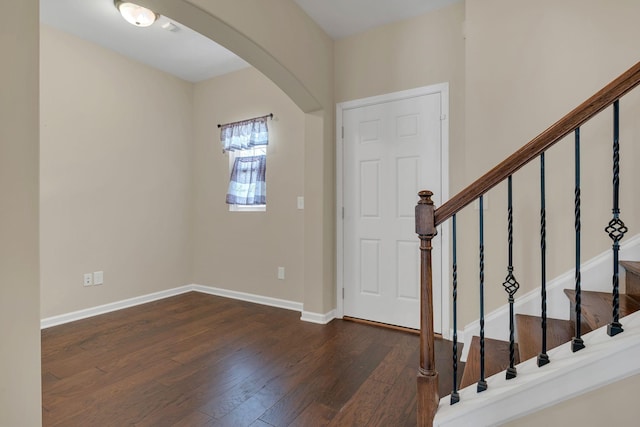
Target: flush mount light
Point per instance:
(136, 15)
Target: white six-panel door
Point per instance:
(391, 150)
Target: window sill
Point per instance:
(246, 208)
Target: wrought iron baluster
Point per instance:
(616, 228)
(543, 358)
(482, 384)
(455, 397)
(510, 284)
(577, 343)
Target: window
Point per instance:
(247, 182)
(246, 143)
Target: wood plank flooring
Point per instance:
(199, 360)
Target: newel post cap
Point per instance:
(425, 219)
(425, 197)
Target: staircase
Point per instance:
(584, 354)
(596, 314)
(605, 360)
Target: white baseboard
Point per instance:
(322, 319)
(603, 361)
(242, 296)
(107, 308)
(596, 276)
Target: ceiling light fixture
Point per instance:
(136, 15)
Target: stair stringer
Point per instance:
(603, 361)
(596, 276)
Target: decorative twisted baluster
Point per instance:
(482, 384)
(510, 284)
(616, 228)
(577, 343)
(543, 358)
(455, 397)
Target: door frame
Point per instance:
(443, 90)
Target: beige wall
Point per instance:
(527, 64)
(115, 146)
(298, 57)
(282, 30)
(241, 251)
(612, 405)
(277, 50)
(19, 293)
(422, 51)
(521, 66)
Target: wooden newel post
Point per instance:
(427, 397)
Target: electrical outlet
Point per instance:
(281, 273)
(88, 279)
(98, 278)
(301, 202)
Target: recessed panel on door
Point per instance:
(407, 126)
(370, 189)
(408, 282)
(406, 185)
(369, 267)
(369, 131)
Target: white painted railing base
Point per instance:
(605, 360)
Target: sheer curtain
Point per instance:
(247, 184)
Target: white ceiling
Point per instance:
(183, 53)
(342, 18)
(193, 57)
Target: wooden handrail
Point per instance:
(576, 118)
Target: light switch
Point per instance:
(98, 277)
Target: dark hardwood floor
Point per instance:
(200, 360)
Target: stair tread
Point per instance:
(597, 307)
(631, 266)
(530, 334)
(496, 359)
(632, 278)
